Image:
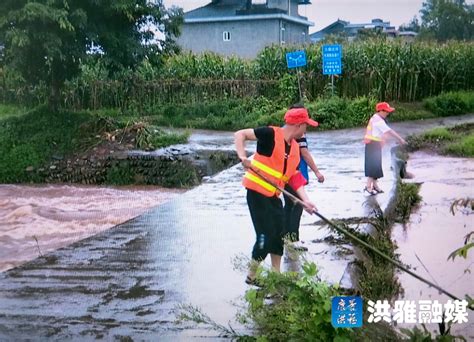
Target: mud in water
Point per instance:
(58, 215)
(433, 232)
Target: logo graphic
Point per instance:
(346, 312)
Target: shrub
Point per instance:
(408, 197)
(463, 148)
(32, 138)
(330, 113)
(410, 111)
(301, 310)
(438, 134)
(452, 103)
(336, 112)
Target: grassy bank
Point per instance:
(331, 112)
(31, 139)
(456, 141)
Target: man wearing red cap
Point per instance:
(294, 211)
(376, 132)
(277, 160)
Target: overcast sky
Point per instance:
(325, 12)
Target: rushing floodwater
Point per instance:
(58, 215)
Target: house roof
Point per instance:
(407, 33)
(213, 10)
(321, 32)
(352, 27)
(216, 12)
(373, 23)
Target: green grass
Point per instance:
(8, 110)
(456, 141)
(331, 112)
(410, 111)
(32, 138)
(462, 148)
(407, 198)
(438, 134)
(451, 103)
(167, 139)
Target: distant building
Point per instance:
(352, 30)
(243, 27)
(337, 27)
(407, 36)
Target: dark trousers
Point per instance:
(293, 214)
(268, 221)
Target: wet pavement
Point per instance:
(126, 281)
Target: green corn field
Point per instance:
(387, 70)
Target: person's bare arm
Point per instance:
(309, 206)
(396, 136)
(308, 158)
(240, 137)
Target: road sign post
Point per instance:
(332, 61)
(294, 60)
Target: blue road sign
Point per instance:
(332, 51)
(332, 59)
(332, 67)
(295, 59)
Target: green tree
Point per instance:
(370, 33)
(447, 19)
(413, 25)
(45, 40)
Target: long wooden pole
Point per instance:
(355, 238)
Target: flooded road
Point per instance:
(58, 215)
(126, 281)
(432, 233)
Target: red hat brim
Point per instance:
(312, 123)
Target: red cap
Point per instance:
(384, 106)
(297, 116)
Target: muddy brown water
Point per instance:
(58, 215)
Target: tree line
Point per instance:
(47, 41)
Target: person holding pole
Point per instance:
(276, 160)
(376, 132)
(293, 211)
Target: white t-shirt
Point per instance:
(379, 127)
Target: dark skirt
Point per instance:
(373, 160)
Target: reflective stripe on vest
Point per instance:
(261, 182)
(368, 132)
(271, 167)
(266, 169)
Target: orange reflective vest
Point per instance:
(368, 132)
(273, 167)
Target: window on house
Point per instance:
(226, 36)
(283, 33)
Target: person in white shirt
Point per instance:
(376, 133)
